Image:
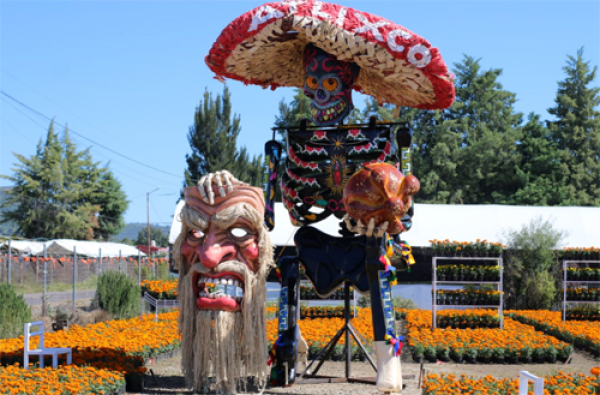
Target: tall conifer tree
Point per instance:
(213, 138)
(576, 132)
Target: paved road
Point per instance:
(36, 299)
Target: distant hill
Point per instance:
(9, 228)
(131, 230)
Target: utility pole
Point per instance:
(148, 215)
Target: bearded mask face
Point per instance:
(328, 84)
(224, 254)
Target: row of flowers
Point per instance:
(516, 343)
(583, 313)
(581, 293)
(160, 289)
(478, 248)
(469, 318)
(323, 311)
(583, 274)
(582, 334)
(561, 383)
(69, 379)
(468, 273)
(580, 253)
(468, 297)
(118, 345)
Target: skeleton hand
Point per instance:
(219, 178)
(370, 230)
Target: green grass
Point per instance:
(29, 288)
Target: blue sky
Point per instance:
(129, 74)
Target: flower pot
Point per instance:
(498, 360)
(551, 359)
(541, 359)
(526, 359)
(469, 359)
(432, 359)
(513, 360)
(458, 359)
(418, 358)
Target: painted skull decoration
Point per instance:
(328, 84)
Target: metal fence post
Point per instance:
(45, 297)
(99, 267)
(9, 261)
(74, 273)
(140, 283)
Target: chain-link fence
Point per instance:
(61, 272)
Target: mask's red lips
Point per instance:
(207, 301)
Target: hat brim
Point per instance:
(265, 47)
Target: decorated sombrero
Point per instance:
(265, 47)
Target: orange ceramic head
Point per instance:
(380, 191)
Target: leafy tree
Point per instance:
(57, 193)
(576, 132)
(530, 265)
(156, 234)
(213, 139)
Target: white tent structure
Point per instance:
(458, 222)
(89, 249)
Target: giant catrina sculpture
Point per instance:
(335, 169)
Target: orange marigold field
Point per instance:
(516, 339)
(70, 379)
(582, 334)
(118, 345)
(321, 330)
(160, 289)
(559, 384)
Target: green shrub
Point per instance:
(402, 303)
(118, 295)
(14, 312)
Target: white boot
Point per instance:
(389, 371)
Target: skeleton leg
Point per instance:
(389, 373)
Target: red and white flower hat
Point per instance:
(265, 47)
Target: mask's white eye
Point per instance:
(238, 232)
(195, 234)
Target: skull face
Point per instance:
(329, 86)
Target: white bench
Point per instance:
(41, 351)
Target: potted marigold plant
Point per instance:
(457, 354)
(564, 353)
(471, 354)
(498, 355)
(485, 355)
(538, 355)
(526, 353)
(551, 354)
(430, 354)
(417, 352)
(443, 353)
(513, 355)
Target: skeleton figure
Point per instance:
(320, 162)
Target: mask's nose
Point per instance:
(322, 95)
(211, 252)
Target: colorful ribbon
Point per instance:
(396, 341)
(389, 270)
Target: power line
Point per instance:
(88, 139)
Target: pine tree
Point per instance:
(213, 139)
(485, 119)
(539, 177)
(576, 132)
(113, 203)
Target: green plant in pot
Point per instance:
(513, 355)
(443, 353)
(486, 355)
(550, 354)
(498, 354)
(526, 353)
(430, 354)
(417, 352)
(457, 354)
(338, 352)
(471, 354)
(539, 355)
(565, 352)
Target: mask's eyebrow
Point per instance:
(193, 219)
(230, 216)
